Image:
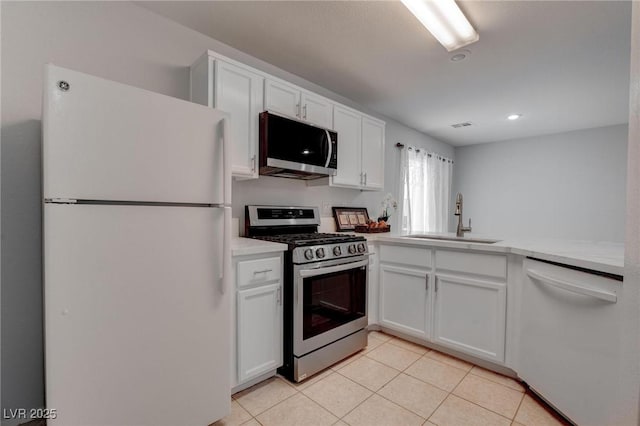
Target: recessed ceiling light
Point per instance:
(460, 55)
(514, 116)
(463, 124)
(445, 20)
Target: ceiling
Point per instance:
(564, 65)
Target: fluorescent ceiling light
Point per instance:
(445, 20)
(514, 116)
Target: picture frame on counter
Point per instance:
(347, 218)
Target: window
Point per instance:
(425, 187)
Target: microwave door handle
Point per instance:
(306, 273)
(330, 148)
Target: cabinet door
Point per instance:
(239, 92)
(282, 98)
(373, 153)
(348, 124)
(469, 315)
(259, 330)
(404, 300)
(317, 110)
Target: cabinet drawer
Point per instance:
(415, 256)
(491, 265)
(250, 272)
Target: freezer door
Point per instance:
(137, 326)
(107, 141)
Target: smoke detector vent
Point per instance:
(465, 124)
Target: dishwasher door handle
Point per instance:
(574, 288)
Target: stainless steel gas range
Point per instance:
(325, 287)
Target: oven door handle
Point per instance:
(306, 273)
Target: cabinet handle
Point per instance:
(262, 271)
(361, 178)
(253, 163)
(427, 283)
(365, 179)
(436, 287)
(298, 109)
(304, 108)
(569, 286)
(279, 296)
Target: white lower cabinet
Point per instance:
(257, 337)
(470, 315)
(259, 330)
(404, 300)
(453, 298)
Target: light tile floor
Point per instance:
(392, 382)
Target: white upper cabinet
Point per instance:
(292, 101)
(238, 91)
(282, 98)
(360, 150)
(244, 92)
(373, 153)
(348, 124)
(317, 110)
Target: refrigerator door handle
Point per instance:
(226, 158)
(225, 256)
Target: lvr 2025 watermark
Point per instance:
(29, 414)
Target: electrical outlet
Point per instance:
(326, 209)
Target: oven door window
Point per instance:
(332, 300)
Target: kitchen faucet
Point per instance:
(461, 228)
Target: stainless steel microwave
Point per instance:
(294, 149)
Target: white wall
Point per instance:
(569, 185)
(123, 42)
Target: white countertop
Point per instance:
(247, 246)
(600, 256)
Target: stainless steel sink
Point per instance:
(458, 239)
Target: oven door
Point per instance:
(330, 302)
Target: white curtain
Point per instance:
(425, 187)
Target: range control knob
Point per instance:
(320, 253)
(352, 249)
(361, 248)
(308, 254)
(337, 251)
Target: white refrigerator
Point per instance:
(137, 194)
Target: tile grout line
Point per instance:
(439, 362)
(498, 383)
(518, 409)
(449, 393)
(488, 409)
(352, 381)
(427, 350)
(270, 407)
(478, 405)
(372, 392)
(395, 403)
(365, 400)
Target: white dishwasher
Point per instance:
(569, 343)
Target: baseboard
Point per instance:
(251, 382)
